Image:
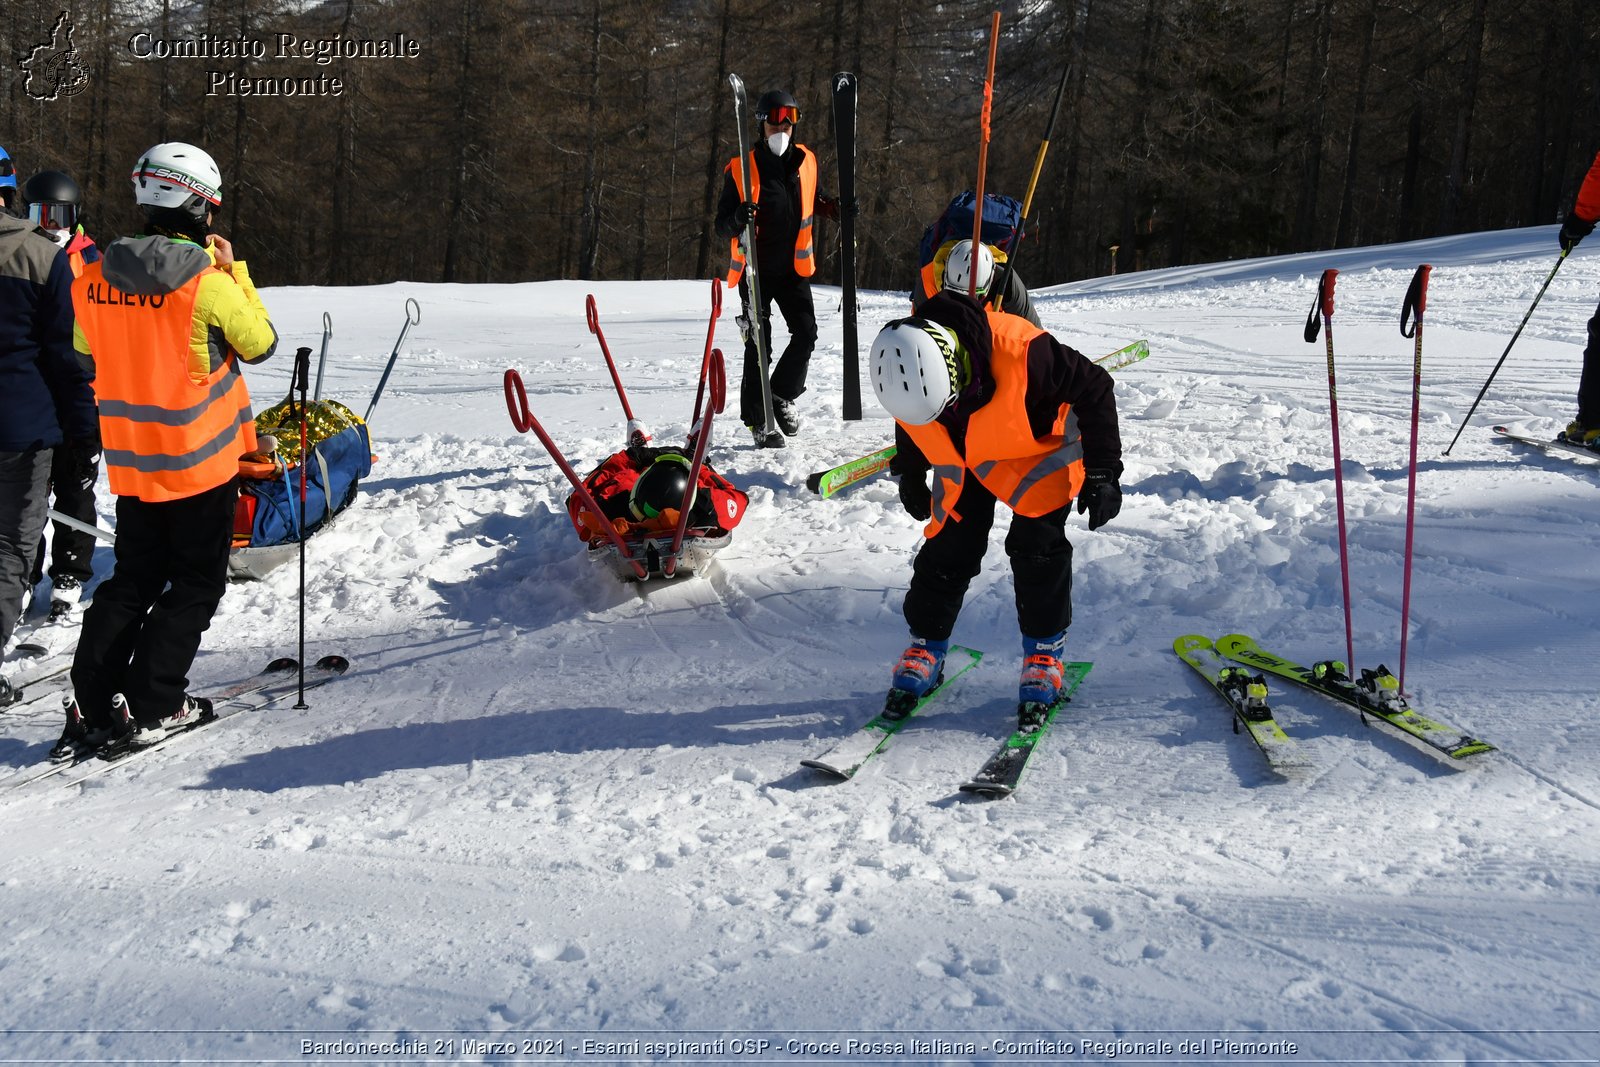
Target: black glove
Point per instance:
(1573, 230)
(915, 497)
(744, 214)
(1101, 497)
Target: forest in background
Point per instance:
(539, 139)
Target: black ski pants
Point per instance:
(792, 294)
(24, 498)
(1589, 380)
(142, 629)
(1041, 568)
(73, 473)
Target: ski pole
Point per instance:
(983, 152)
(411, 320)
(302, 375)
(719, 390)
(84, 527)
(705, 362)
(1004, 281)
(322, 360)
(1562, 258)
(1416, 302)
(523, 420)
(1324, 306)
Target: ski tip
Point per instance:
(282, 664)
(335, 663)
(831, 772)
(30, 650)
(1190, 643)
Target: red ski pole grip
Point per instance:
(1327, 291)
(517, 402)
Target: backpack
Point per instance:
(1002, 221)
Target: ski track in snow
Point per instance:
(545, 803)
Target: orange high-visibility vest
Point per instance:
(166, 433)
(1031, 476)
(804, 264)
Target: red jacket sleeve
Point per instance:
(1588, 206)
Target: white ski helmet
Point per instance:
(177, 175)
(917, 368)
(958, 268)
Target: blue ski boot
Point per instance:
(921, 666)
(1041, 669)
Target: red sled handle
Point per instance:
(523, 420)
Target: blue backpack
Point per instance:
(1002, 219)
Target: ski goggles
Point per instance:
(7, 169)
(782, 115)
(53, 216)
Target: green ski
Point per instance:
(1247, 696)
(1002, 772)
(1376, 693)
(844, 759)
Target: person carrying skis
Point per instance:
(45, 400)
(166, 317)
(1579, 223)
(999, 410)
(782, 200)
(53, 201)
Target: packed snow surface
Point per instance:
(549, 816)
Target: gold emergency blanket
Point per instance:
(324, 418)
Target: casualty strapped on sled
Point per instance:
(640, 492)
(269, 517)
(649, 512)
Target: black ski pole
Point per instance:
(1009, 269)
(1559, 260)
(302, 376)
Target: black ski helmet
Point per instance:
(52, 187)
(660, 487)
(774, 98)
(52, 200)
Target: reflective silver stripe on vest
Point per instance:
(1069, 452)
(160, 416)
(805, 224)
(954, 472)
(161, 463)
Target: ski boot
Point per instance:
(1579, 433)
(138, 733)
(1246, 692)
(1380, 691)
(921, 666)
(1040, 687)
(77, 740)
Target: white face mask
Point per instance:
(778, 143)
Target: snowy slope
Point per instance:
(548, 807)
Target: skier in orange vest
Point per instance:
(998, 410)
(166, 317)
(783, 200)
